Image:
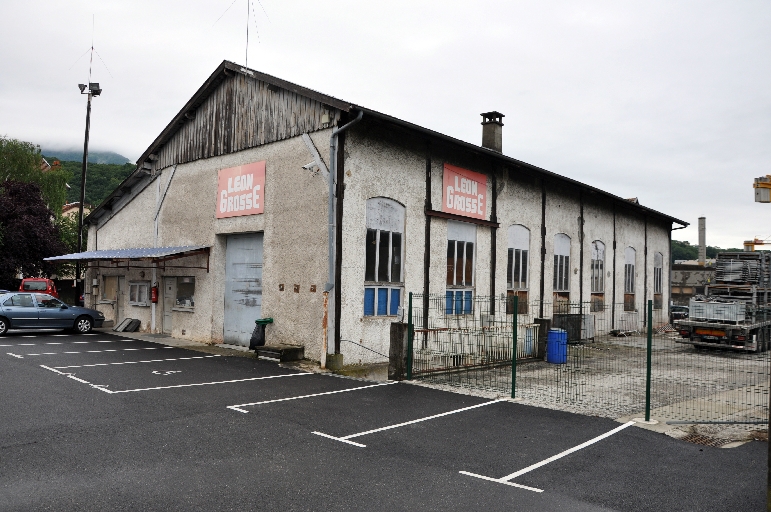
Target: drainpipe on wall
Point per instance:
(330, 285)
(159, 202)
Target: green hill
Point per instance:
(101, 179)
(76, 155)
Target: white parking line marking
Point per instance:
(512, 484)
(92, 351)
(238, 407)
(15, 355)
(341, 439)
(57, 343)
(135, 362)
(103, 387)
(507, 479)
(345, 439)
(212, 383)
(70, 376)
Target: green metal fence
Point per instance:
(619, 361)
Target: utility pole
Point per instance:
(93, 90)
(762, 188)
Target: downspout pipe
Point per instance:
(331, 201)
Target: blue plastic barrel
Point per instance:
(557, 346)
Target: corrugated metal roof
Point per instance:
(139, 253)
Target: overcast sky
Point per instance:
(666, 101)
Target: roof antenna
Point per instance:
(248, 10)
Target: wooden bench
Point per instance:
(283, 353)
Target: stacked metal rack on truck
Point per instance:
(734, 313)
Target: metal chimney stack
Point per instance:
(702, 240)
(492, 131)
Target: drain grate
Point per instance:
(705, 441)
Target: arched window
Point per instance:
(658, 268)
(630, 256)
(384, 250)
(518, 267)
(597, 276)
(561, 262)
(561, 279)
(461, 243)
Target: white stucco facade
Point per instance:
(378, 159)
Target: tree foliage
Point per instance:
(21, 162)
(28, 231)
(68, 233)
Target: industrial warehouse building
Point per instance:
(228, 214)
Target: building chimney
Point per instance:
(702, 240)
(492, 131)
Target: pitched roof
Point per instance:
(227, 68)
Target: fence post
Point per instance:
(648, 363)
(410, 330)
(514, 348)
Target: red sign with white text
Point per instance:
(464, 192)
(241, 190)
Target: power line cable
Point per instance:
(226, 10)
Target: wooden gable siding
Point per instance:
(243, 113)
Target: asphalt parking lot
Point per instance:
(99, 421)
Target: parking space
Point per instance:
(313, 432)
(180, 369)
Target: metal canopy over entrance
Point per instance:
(156, 257)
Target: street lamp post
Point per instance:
(91, 90)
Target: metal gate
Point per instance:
(243, 287)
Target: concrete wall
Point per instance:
(378, 162)
(383, 163)
(519, 202)
(377, 165)
(295, 241)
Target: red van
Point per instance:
(38, 284)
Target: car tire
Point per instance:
(3, 325)
(83, 325)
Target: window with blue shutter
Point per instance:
(383, 255)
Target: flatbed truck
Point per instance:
(735, 313)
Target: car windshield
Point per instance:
(35, 285)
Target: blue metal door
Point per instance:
(243, 287)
